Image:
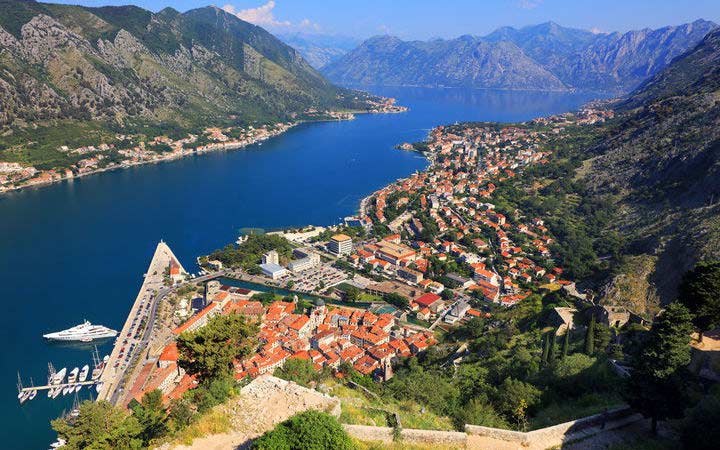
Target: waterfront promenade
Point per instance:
(135, 334)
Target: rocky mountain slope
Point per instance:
(319, 49)
(121, 63)
(661, 165)
(545, 57)
(466, 61)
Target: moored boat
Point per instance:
(84, 373)
(58, 377)
(72, 376)
(58, 444)
(85, 332)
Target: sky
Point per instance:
(425, 19)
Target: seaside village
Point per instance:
(126, 152)
(325, 335)
(433, 239)
(122, 151)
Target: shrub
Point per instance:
(309, 430)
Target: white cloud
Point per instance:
(264, 16)
(529, 4)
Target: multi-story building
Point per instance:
(306, 260)
(340, 244)
(410, 275)
(271, 257)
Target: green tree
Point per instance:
(566, 344)
(426, 387)
(701, 427)
(545, 348)
(209, 351)
(552, 348)
(352, 294)
(397, 300)
(309, 430)
(700, 292)
(478, 412)
(301, 371)
(590, 337)
(573, 365)
(601, 337)
(212, 392)
(151, 414)
(101, 426)
(472, 381)
(657, 384)
(516, 398)
(181, 413)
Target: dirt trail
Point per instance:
(262, 404)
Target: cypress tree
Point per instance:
(545, 349)
(566, 344)
(552, 348)
(590, 337)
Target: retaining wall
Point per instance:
(484, 437)
(385, 434)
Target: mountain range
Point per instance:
(60, 62)
(319, 49)
(541, 57)
(660, 166)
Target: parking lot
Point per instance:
(316, 278)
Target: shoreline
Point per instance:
(364, 202)
(213, 147)
(171, 157)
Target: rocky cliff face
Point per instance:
(661, 165)
(115, 63)
(466, 61)
(544, 57)
(622, 61)
(319, 49)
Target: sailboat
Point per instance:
(75, 411)
(22, 395)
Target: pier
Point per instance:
(135, 336)
(47, 387)
(114, 371)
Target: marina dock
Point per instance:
(60, 384)
(47, 387)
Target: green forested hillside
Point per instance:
(61, 65)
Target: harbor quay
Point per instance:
(139, 335)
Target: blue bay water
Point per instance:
(77, 250)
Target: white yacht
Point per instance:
(84, 373)
(57, 378)
(72, 377)
(85, 332)
(58, 444)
